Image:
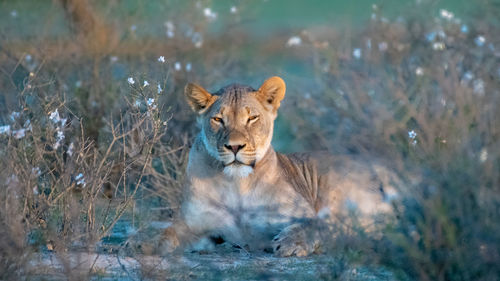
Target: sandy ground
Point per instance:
(194, 266)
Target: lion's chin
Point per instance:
(236, 170)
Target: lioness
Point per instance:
(239, 188)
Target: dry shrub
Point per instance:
(63, 191)
(432, 109)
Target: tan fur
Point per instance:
(257, 194)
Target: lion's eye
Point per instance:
(253, 118)
(218, 120)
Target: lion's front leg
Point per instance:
(173, 237)
(197, 227)
(299, 239)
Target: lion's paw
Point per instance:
(169, 242)
(295, 240)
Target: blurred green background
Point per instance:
(263, 17)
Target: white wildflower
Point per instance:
(13, 13)
(27, 125)
(54, 116)
(60, 135)
(78, 84)
(59, 138)
(80, 180)
(438, 46)
(445, 14)
(70, 149)
(133, 28)
(28, 57)
(131, 81)
(178, 66)
(170, 29)
(161, 59)
(35, 190)
(188, 67)
(14, 115)
(480, 40)
(209, 14)
(233, 10)
(5, 129)
(382, 46)
(419, 71)
(357, 53)
(36, 171)
(169, 25)
(146, 83)
(150, 101)
(19, 134)
(294, 41)
(413, 137)
(113, 59)
(483, 155)
(159, 88)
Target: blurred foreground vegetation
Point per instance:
(94, 129)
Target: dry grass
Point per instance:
(130, 151)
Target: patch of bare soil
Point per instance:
(194, 266)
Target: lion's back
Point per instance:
(340, 183)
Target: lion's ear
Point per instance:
(198, 98)
(272, 92)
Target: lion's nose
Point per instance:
(235, 148)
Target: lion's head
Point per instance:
(237, 122)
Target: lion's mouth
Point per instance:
(239, 163)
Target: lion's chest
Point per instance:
(236, 209)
